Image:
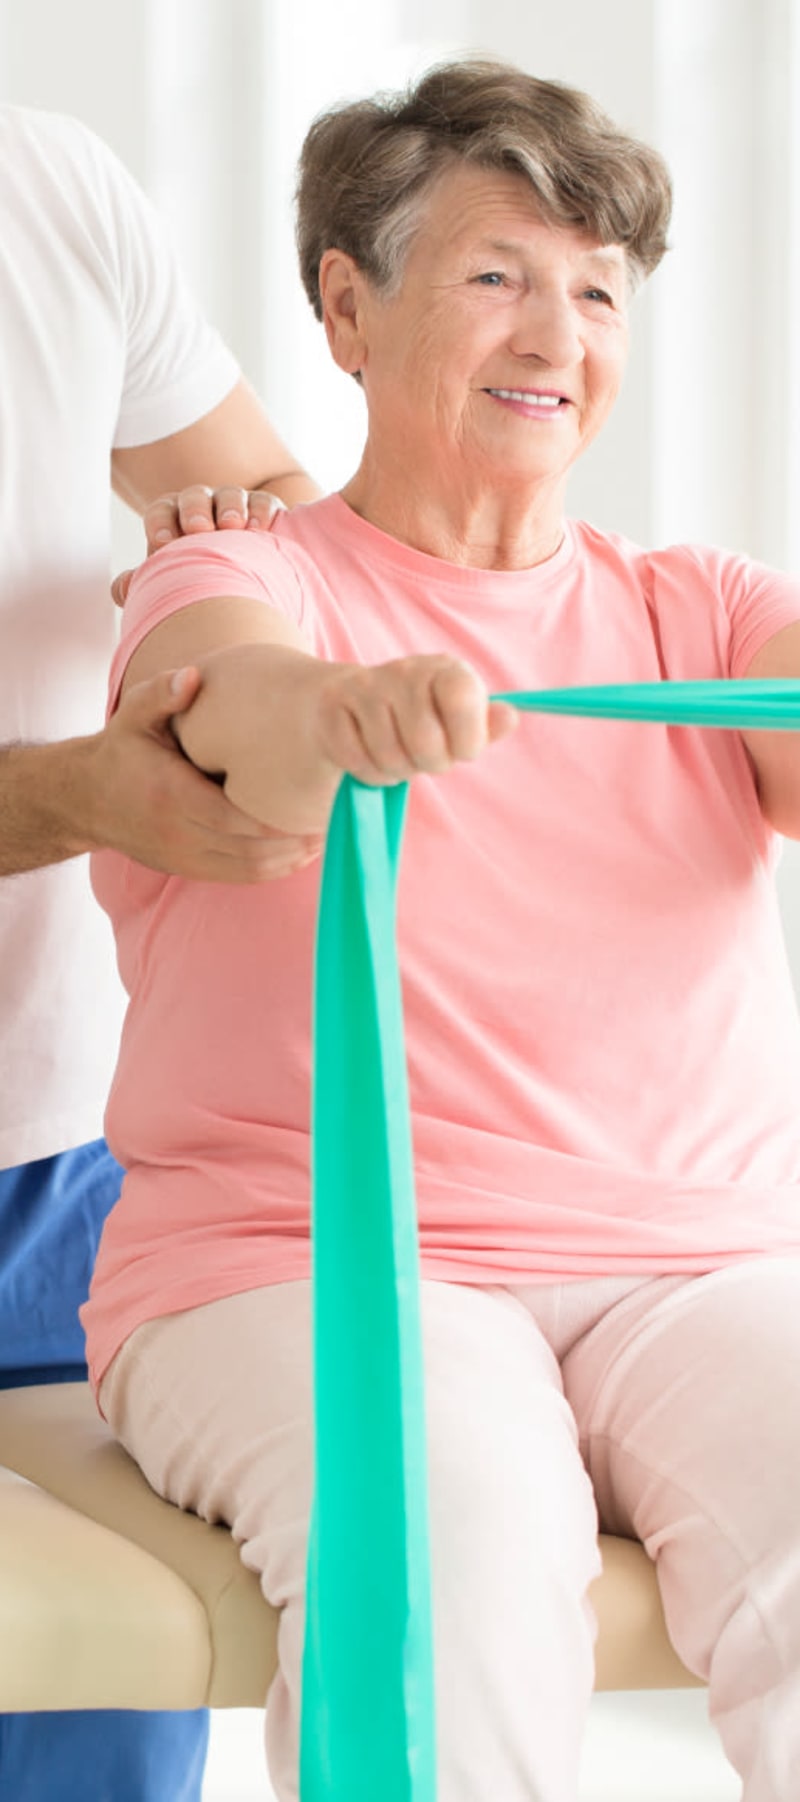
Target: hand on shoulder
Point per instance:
(201, 509)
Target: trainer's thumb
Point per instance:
(155, 701)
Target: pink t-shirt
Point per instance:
(603, 1045)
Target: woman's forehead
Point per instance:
(498, 210)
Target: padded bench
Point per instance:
(112, 1598)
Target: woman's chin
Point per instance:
(506, 466)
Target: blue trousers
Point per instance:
(51, 1217)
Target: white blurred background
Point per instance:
(207, 101)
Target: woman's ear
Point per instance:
(341, 287)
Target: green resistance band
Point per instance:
(367, 1732)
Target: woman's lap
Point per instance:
(670, 1388)
(216, 1405)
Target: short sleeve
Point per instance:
(759, 602)
(177, 367)
(251, 565)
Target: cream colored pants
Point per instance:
(670, 1406)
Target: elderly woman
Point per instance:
(603, 1050)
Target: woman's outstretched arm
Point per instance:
(279, 726)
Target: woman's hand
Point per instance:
(282, 727)
(390, 722)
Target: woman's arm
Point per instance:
(776, 755)
(279, 726)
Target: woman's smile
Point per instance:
(531, 403)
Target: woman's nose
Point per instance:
(548, 328)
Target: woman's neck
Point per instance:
(486, 528)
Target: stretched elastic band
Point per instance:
(367, 1707)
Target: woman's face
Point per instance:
(505, 345)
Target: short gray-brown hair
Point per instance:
(366, 167)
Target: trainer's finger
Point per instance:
(156, 700)
(264, 510)
(196, 509)
(230, 508)
(120, 586)
(161, 522)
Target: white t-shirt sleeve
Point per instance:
(177, 367)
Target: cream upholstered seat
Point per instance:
(112, 1598)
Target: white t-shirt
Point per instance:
(101, 346)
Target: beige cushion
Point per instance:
(110, 1597)
(87, 1617)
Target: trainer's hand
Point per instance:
(142, 797)
(200, 509)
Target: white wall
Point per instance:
(207, 101)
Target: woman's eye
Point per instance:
(492, 278)
(599, 294)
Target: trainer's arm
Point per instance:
(129, 788)
(232, 446)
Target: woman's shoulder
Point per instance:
(712, 566)
(599, 546)
(699, 598)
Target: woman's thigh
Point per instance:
(687, 1397)
(687, 1394)
(216, 1405)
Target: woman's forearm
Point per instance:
(281, 726)
(255, 724)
